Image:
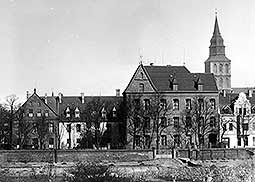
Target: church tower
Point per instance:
(218, 63)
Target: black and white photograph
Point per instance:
(127, 91)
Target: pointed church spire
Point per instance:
(216, 27)
(217, 47)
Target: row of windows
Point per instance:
(78, 128)
(147, 139)
(77, 112)
(215, 70)
(38, 113)
(35, 143)
(163, 103)
(50, 127)
(245, 126)
(176, 122)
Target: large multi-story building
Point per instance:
(173, 88)
(65, 121)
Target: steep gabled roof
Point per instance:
(161, 76)
(42, 101)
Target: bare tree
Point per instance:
(146, 118)
(200, 120)
(42, 130)
(95, 117)
(12, 105)
(24, 128)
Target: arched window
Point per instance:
(227, 83)
(221, 68)
(226, 68)
(215, 68)
(221, 82)
(141, 75)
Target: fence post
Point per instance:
(55, 156)
(154, 152)
(174, 153)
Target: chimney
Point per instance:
(45, 98)
(35, 90)
(28, 95)
(52, 94)
(82, 98)
(117, 92)
(250, 92)
(60, 97)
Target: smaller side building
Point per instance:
(237, 118)
(35, 125)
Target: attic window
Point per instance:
(30, 113)
(103, 113)
(68, 112)
(77, 113)
(141, 75)
(39, 113)
(141, 87)
(114, 113)
(200, 87)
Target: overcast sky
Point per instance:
(93, 46)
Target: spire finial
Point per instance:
(216, 12)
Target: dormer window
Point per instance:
(114, 112)
(77, 112)
(103, 112)
(200, 87)
(68, 112)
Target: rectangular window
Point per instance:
(212, 103)
(35, 143)
(78, 140)
(176, 140)
(39, 113)
(30, 113)
(239, 141)
(188, 122)
(224, 127)
(240, 111)
(201, 104)
(141, 87)
(147, 140)
(188, 104)
(163, 103)
(245, 126)
(230, 126)
(176, 104)
(137, 140)
(68, 128)
(163, 140)
(146, 123)
(244, 111)
(51, 127)
(78, 128)
(253, 126)
(163, 122)
(176, 122)
(46, 114)
(212, 122)
(51, 143)
(246, 141)
(136, 123)
(146, 104)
